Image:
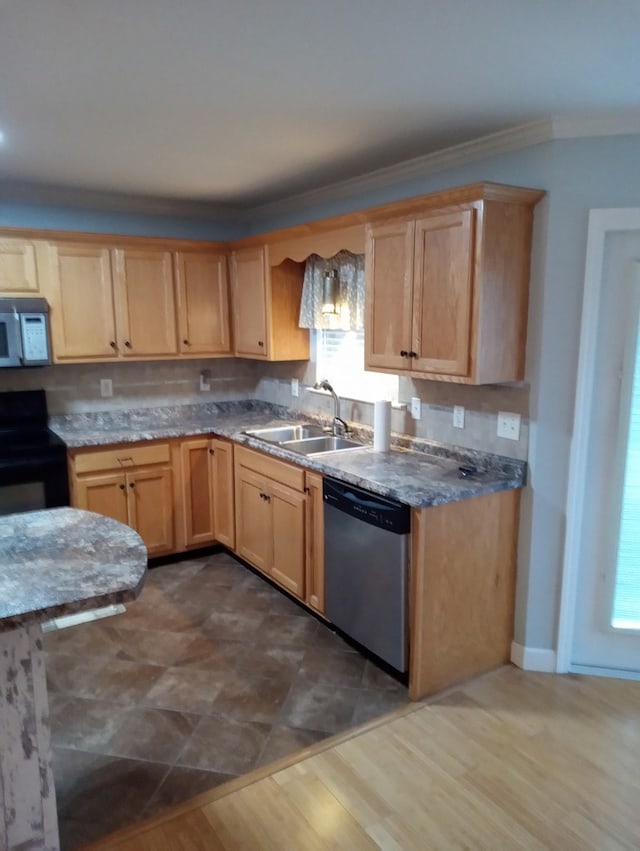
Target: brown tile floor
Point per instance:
(211, 673)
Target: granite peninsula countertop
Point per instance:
(417, 472)
(64, 560)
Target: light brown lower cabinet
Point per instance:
(176, 494)
(131, 484)
(461, 598)
(207, 491)
(315, 542)
(271, 518)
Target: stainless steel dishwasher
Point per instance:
(366, 544)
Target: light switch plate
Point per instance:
(106, 387)
(508, 425)
(458, 416)
(205, 381)
(295, 387)
(416, 407)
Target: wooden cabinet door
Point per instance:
(289, 550)
(442, 293)
(197, 491)
(145, 303)
(314, 591)
(150, 495)
(389, 273)
(104, 494)
(79, 288)
(250, 307)
(203, 303)
(254, 533)
(223, 501)
(18, 269)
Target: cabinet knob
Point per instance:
(186, 343)
(260, 342)
(113, 344)
(212, 452)
(404, 354)
(122, 487)
(413, 354)
(132, 484)
(127, 344)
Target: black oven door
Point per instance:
(36, 483)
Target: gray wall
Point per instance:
(577, 175)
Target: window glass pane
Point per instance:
(626, 605)
(340, 359)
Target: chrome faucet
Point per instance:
(338, 426)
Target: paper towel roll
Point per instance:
(381, 425)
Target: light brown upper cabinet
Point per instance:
(78, 285)
(145, 302)
(266, 307)
(108, 303)
(203, 303)
(447, 293)
(18, 267)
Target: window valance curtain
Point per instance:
(350, 316)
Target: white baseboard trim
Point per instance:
(533, 658)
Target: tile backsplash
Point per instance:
(481, 405)
(75, 388)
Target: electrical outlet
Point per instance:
(508, 425)
(106, 387)
(295, 387)
(458, 416)
(416, 407)
(205, 381)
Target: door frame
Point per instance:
(602, 222)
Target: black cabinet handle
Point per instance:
(122, 487)
(113, 344)
(132, 484)
(413, 354)
(212, 452)
(127, 344)
(404, 354)
(260, 343)
(186, 343)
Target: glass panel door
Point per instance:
(626, 598)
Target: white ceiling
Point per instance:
(244, 102)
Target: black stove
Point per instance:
(33, 460)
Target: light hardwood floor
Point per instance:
(509, 760)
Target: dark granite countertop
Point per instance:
(417, 472)
(63, 560)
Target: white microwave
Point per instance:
(24, 332)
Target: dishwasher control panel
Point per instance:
(370, 508)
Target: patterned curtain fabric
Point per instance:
(350, 269)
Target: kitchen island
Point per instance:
(52, 562)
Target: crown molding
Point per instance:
(596, 124)
(511, 139)
(504, 141)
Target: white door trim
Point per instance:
(601, 223)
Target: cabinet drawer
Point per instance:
(121, 457)
(282, 472)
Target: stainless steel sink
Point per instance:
(283, 434)
(320, 445)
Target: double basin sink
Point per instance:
(305, 439)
